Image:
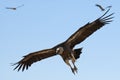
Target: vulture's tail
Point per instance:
(77, 53)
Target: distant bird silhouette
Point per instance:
(65, 49)
(103, 9)
(14, 8)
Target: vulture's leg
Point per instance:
(73, 61)
(75, 68)
(67, 62)
(73, 58)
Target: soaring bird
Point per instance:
(103, 9)
(14, 8)
(66, 49)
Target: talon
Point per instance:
(73, 71)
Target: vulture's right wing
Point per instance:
(34, 57)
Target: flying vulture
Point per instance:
(14, 8)
(103, 9)
(66, 49)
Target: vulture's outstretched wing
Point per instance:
(85, 31)
(34, 57)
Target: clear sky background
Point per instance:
(42, 24)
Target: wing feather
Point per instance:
(31, 58)
(85, 31)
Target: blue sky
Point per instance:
(41, 24)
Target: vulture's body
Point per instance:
(66, 49)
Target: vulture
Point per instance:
(15, 8)
(66, 49)
(102, 9)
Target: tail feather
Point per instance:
(77, 53)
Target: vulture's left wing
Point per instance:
(34, 57)
(85, 31)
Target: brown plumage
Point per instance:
(65, 49)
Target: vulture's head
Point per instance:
(59, 50)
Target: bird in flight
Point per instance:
(66, 49)
(103, 9)
(14, 8)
